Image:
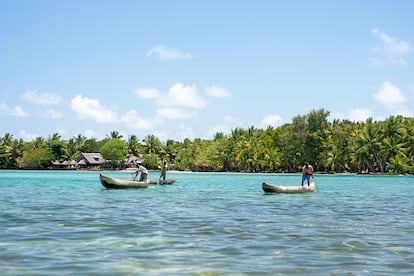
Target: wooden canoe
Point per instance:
(167, 181)
(289, 189)
(120, 183)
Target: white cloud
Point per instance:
(61, 130)
(393, 99)
(52, 114)
(32, 96)
(91, 109)
(390, 50)
(147, 93)
(220, 128)
(174, 113)
(168, 53)
(403, 111)
(360, 114)
(217, 91)
(89, 133)
(27, 136)
(389, 95)
(16, 111)
(186, 131)
(271, 120)
(184, 96)
(133, 121)
(229, 123)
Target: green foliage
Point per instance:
(58, 147)
(150, 161)
(36, 158)
(115, 150)
(133, 145)
(3, 157)
(338, 146)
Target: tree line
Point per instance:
(338, 146)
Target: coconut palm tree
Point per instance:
(114, 135)
(367, 145)
(58, 147)
(152, 145)
(133, 144)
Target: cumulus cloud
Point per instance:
(53, 114)
(360, 114)
(32, 96)
(271, 120)
(389, 95)
(27, 136)
(217, 91)
(186, 131)
(15, 111)
(174, 113)
(390, 49)
(393, 99)
(133, 121)
(91, 109)
(226, 126)
(89, 133)
(168, 53)
(147, 93)
(183, 96)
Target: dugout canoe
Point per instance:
(289, 189)
(120, 183)
(167, 181)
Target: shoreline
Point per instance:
(131, 170)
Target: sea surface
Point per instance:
(66, 223)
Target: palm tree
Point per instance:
(152, 145)
(133, 145)
(75, 146)
(185, 155)
(391, 147)
(171, 150)
(7, 139)
(57, 147)
(247, 154)
(408, 139)
(399, 164)
(12, 150)
(367, 146)
(38, 143)
(289, 152)
(16, 151)
(114, 135)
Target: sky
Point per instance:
(190, 69)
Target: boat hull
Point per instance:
(162, 182)
(120, 183)
(288, 189)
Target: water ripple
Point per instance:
(212, 224)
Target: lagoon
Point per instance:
(66, 223)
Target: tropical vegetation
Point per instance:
(338, 146)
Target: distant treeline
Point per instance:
(338, 146)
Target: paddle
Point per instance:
(132, 175)
(316, 186)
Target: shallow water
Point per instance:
(205, 224)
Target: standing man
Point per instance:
(307, 172)
(163, 169)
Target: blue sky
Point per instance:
(189, 69)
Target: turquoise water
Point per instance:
(66, 223)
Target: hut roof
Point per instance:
(92, 158)
(132, 159)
